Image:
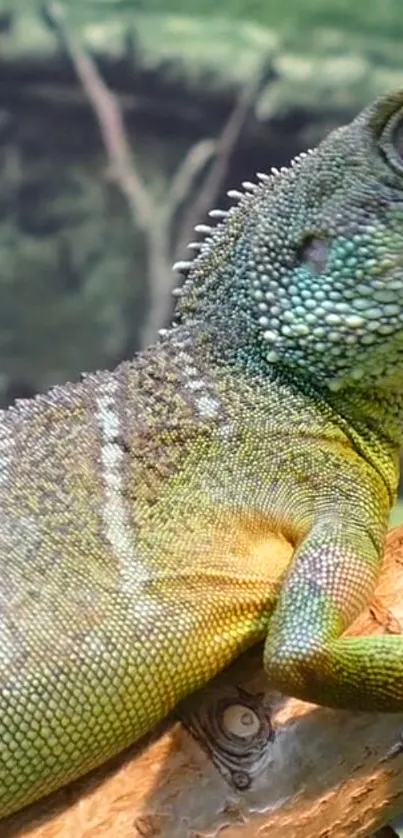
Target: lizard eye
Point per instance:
(398, 138)
(392, 142)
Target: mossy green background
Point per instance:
(74, 289)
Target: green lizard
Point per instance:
(231, 483)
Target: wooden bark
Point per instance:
(325, 773)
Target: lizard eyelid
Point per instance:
(391, 142)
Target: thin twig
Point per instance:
(225, 145)
(121, 163)
(182, 182)
(155, 219)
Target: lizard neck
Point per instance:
(375, 419)
(371, 416)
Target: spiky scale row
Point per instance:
(218, 213)
(183, 266)
(307, 319)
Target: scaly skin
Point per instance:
(232, 483)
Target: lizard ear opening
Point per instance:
(314, 253)
(391, 142)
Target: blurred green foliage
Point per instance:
(72, 265)
(382, 16)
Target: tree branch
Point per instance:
(225, 145)
(186, 174)
(122, 168)
(155, 218)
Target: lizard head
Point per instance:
(306, 271)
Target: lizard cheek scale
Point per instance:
(230, 484)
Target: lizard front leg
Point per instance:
(333, 573)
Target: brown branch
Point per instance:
(186, 174)
(122, 167)
(145, 213)
(324, 773)
(225, 145)
(162, 278)
(152, 217)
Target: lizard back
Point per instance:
(124, 585)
